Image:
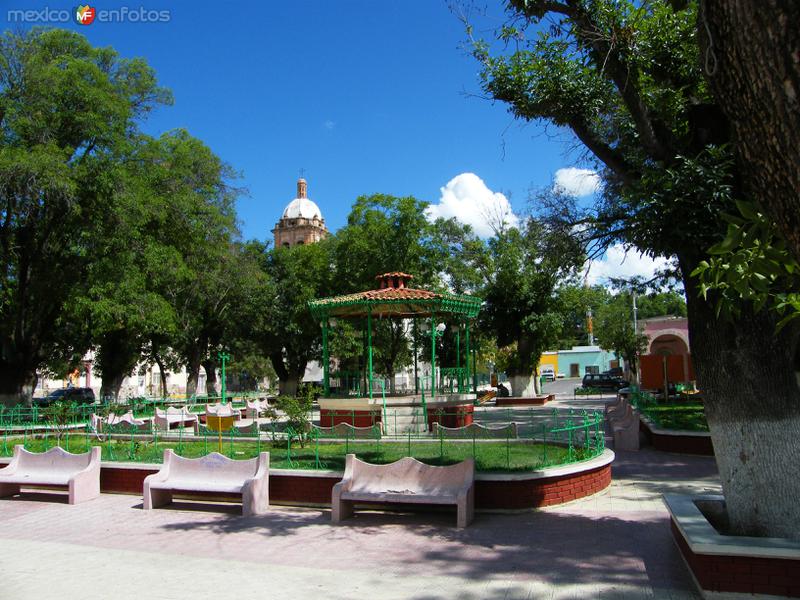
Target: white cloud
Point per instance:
(621, 264)
(329, 124)
(576, 182)
(467, 198)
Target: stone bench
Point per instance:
(79, 473)
(173, 417)
(126, 423)
(254, 409)
(625, 427)
(211, 474)
(406, 481)
(476, 430)
(345, 430)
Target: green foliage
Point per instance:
(521, 306)
(59, 415)
(752, 264)
(298, 411)
(69, 113)
(615, 330)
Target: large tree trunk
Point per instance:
(17, 384)
(109, 390)
(162, 376)
(523, 386)
(751, 54)
(117, 356)
(212, 385)
(288, 386)
(752, 404)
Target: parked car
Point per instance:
(74, 395)
(603, 381)
(615, 372)
(548, 375)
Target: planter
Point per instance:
(728, 567)
(524, 401)
(673, 440)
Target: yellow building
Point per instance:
(548, 362)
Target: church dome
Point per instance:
(301, 208)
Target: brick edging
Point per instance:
(678, 442)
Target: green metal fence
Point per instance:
(560, 438)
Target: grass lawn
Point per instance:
(489, 456)
(686, 417)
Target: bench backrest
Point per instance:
(212, 466)
(55, 460)
(409, 475)
(477, 430)
(221, 410)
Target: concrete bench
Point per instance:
(345, 430)
(79, 473)
(405, 481)
(223, 410)
(625, 428)
(126, 423)
(250, 430)
(256, 408)
(173, 417)
(476, 430)
(213, 473)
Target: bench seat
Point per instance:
(406, 481)
(213, 473)
(79, 473)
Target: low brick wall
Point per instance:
(520, 401)
(492, 491)
(740, 574)
(682, 442)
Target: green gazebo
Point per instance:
(394, 299)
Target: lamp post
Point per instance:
(224, 357)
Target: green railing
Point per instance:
(560, 438)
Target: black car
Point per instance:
(71, 395)
(603, 381)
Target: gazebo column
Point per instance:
(466, 358)
(416, 352)
(433, 355)
(325, 359)
(458, 358)
(369, 353)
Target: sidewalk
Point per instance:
(613, 545)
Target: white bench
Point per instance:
(126, 423)
(255, 408)
(179, 417)
(79, 473)
(405, 481)
(476, 430)
(625, 428)
(223, 410)
(345, 430)
(213, 473)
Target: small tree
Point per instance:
(58, 416)
(615, 331)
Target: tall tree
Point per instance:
(67, 110)
(626, 78)
(751, 57)
(522, 308)
(283, 326)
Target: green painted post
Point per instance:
(466, 358)
(224, 357)
(433, 356)
(369, 350)
(458, 359)
(416, 352)
(325, 359)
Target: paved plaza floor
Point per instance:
(613, 545)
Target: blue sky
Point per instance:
(365, 96)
